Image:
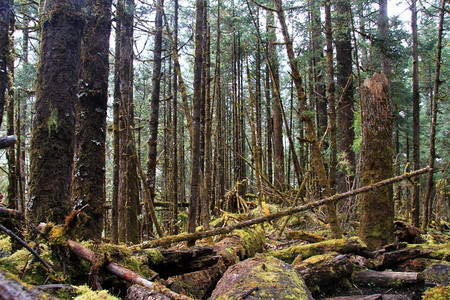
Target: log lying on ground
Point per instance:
(323, 273)
(305, 236)
(123, 272)
(11, 289)
(386, 279)
(192, 237)
(301, 252)
(232, 249)
(172, 262)
(7, 141)
(390, 259)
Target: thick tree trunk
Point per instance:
(88, 185)
(52, 139)
(377, 207)
(345, 134)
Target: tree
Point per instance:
(377, 206)
(345, 116)
(88, 185)
(156, 84)
(5, 9)
(197, 102)
(415, 213)
(52, 140)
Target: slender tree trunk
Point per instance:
(5, 9)
(434, 103)
(415, 213)
(345, 117)
(88, 185)
(377, 207)
(383, 27)
(317, 159)
(278, 151)
(174, 179)
(156, 86)
(331, 97)
(196, 133)
(116, 138)
(52, 139)
(13, 180)
(269, 120)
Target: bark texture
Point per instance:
(52, 141)
(377, 206)
(4, 49)
(88, 185)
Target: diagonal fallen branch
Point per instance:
(122, 272)
(227, 229)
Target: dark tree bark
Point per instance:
(345, 118)
(5, 9)
(377, 207)
(278, 151)
(156, 84)
(415, 213)
(88, 184)
(52, 139)
(174, 195)
(434, 109)
(128, 180)
(196, 133)
(383, 27)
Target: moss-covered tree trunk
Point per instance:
(4, 49)
(344, 109)
(52, 140)
(377, 206)
(88, 185)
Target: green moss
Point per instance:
(437, 293)
(5, 246)
(85, 293)
(52, 121)
(252, 239)
(154, 255)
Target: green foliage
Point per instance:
(437, 293)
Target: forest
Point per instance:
(224, 149)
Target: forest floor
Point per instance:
(287, 258)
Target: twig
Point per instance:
(38, 257)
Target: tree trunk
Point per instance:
(5, 9)
(345, 118)
(88, 185)
(377, 207)
(415, 213)
(383, 28)
(197, 101)
(156, 85)
(434, 110)
(56, 91)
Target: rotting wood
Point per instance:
(7, 141)
(305, 236)
(11, 289)
(122, 272)
(386, 279)
(227, 229)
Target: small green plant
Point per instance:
(438, 292)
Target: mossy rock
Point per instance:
(437, 274)
(261, 277)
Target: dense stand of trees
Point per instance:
(194, 107)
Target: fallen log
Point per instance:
(123, 272)
(305, 236)
(7, 141)
(389, 260)
(11, 289)
(298, 253)
(326, 272)
(192, 237)
(386, 279)
(261, 277)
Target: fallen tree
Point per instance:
(192, 237)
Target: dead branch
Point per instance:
(227, 229)
(122, 272)
(22, 242)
